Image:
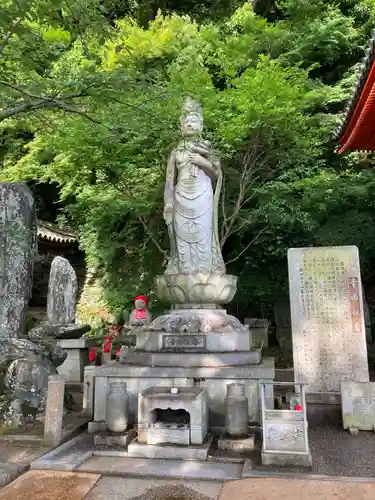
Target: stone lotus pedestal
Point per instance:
(200, 290)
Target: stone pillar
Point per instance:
(236, 411)
(18, 243)
(117, 406)
(88, 392)
(62, 293)
(54, 411)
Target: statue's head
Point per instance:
(191, 118)
(141, 302)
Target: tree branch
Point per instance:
(254, 240)
(151, 236)
(248, 178)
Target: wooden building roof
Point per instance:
(49, 232)
(357, 132)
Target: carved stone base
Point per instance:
(194, 359)
(197, 321)
(199, 289)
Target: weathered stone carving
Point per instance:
(25, 364)
(62, 293)
(195, 321)
(18, 239)
(26, 367)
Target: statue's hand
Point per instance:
(168, 213)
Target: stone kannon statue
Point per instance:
(196, 271)
(191, 203)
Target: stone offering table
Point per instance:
(72, 370)
(161, 412)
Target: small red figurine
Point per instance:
(140, 315)
(92, 355)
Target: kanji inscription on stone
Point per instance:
(328, 329)
(285, 436)
(184, 342)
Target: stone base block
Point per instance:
(196, 359)
(215, 380)
(283, 459)
(115, 439)
(95, 427)
(222, 340)
(240, 445)
(172, 452)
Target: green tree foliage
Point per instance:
(90, 97)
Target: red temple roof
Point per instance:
(358, 130)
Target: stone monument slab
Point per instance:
(18, 239)
(358, 405)
(62, 293)
(328, 329)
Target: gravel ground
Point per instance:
(171, 492)
(335, 452)
(118, 488)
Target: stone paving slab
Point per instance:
(116, 488)
(162, 468)
(20, 453)
(67, 456)
(48, 485)
(9, 472)
(274, 489)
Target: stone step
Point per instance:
(144, 467)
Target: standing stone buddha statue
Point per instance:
(191, 203)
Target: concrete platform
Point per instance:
(171, 452)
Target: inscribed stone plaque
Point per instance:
(184, 342)
(285, 436)
(358, 405)
(328, 329)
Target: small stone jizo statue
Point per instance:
(140, 315)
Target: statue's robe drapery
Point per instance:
(193, 231)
